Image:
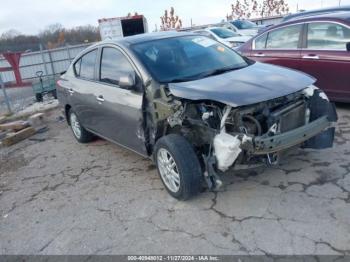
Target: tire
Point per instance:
(39, 97)
(79, 132)
(186, 165)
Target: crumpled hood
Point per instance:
(256, 83)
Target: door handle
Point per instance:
(71, 91)
(100, 98)
(259, 55)
(315, 57)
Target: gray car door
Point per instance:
(119, 114)
(81, 89)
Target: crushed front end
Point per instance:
(234, 137)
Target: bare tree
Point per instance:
(273, 7)
(12, 40)
(51, 37)
(170, 21)
(12, 33)
(255, 8)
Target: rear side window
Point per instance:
(114, 64)
(284, 38)
(85, 66)
(327, 36)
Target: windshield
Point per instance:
(244, 24)
(186, 58)
(223, 32)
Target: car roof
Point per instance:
(316, 12)
(339, 15)
(216, 27)
(140, 38)
(202, 29)
(127, 41)
(336, 17)
(208, 28)
(238, 20)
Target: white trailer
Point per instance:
(112, 28)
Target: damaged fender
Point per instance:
(320, 106)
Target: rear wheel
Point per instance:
(79, 132)
(178, 166)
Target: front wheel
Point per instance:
(178, 166)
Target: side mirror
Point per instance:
(127, 80)
(348, 47)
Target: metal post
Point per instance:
(43, 58)
(68, 52)
(7, 101)
(51, 63)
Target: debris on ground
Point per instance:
(37, 139)
(37, 120)
(60, 119)
(39, 107)
(2, 134)
(16, 131)
(14, 126)
(15, 137)
(2, 118)
(42, 129)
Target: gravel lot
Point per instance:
(61, 197)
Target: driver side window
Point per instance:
(114, 65)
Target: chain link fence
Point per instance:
(51, 62)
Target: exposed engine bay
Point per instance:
(227, 137)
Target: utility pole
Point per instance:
(7, 101)
(339, 2)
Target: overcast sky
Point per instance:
(31, 16)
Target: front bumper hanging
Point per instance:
(270, 144)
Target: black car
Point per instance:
(193, 105)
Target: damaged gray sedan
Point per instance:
(193, 105)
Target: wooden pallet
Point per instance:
(14, 126)
(13, 138)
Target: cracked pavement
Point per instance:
(61, 197)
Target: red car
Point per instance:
(317, 45)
